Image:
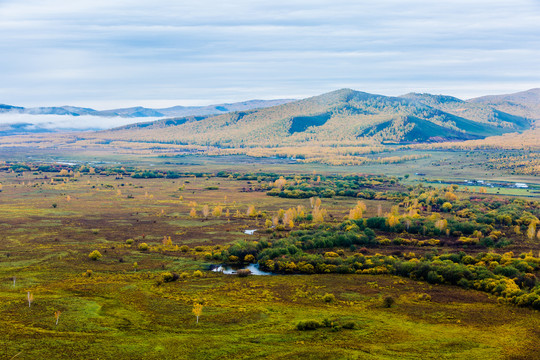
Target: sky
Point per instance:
(108, 54)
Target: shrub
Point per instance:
(388, 301)
(308, 325)
(143, 246)
(243, 272)
(447, 207)
(197, 273)
(328, 298)
(464, 283)
(129, 241)
(349, 325)
(95, 255)
(363, 250)
(249, 258)
(169, 277)
(434, 278)
(184, 248)
(184, 275)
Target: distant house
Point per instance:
(521, 185)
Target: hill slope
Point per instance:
(342, 116)
(523, 104)
(478, 112)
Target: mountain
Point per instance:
(477, 112)
(342, 116)
(523, 104)
(137, 112)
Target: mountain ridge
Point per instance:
(341, 115)
(524, 103)
(139, 111)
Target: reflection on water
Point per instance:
(254, 268)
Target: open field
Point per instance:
(122, 306)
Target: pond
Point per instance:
(254, 268)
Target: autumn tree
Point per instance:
(251, 212)
(318, 215)
(280, 183)
(218, 210)
(531, 231)
(197, 310)
(205, 211)
(441, 224)
(315, 202)
(167, 241)
(355, 213)
(57, 316)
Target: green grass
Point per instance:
(119, 313)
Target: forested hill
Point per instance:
(340, 116)
(524, 103)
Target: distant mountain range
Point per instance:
(342, 116)
(140, 112)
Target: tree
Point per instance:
(447, 206)
(531, 231)
(280, 183)
(30, 298)
(197, 310)
(57, 316)
(167, 241)
(355, 213)
(441, 224)
(218, 210)
(251, 212)
(205, 211)
(318, 215)
(193, 212)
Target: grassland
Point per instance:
(123, 309)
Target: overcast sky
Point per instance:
(105, 54)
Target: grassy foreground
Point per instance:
(128, 316)
(122, 308)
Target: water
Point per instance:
(254, 268)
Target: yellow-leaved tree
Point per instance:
(197, 310)
(57, 316)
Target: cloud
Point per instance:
(91, 52)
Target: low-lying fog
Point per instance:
(36, 123)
